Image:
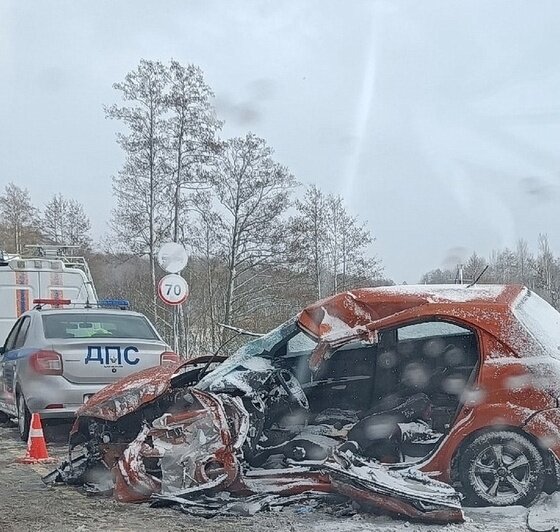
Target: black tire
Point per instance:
(23, 417)
(501, 468)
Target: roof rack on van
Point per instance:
(33, 251)
(66, 253)
(5, 257)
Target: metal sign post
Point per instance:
(172, 288)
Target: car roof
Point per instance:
(359, 307)
(83, 310)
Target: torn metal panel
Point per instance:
(347, 314)
(132, 482)
(192, 449)
(132, 392)
(129, 394)
(292, 481)
(224, 504)
(402, 492)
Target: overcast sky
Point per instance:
(438, 121)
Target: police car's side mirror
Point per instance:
(2, 350)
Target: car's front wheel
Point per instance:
(23, 417)
(501, 468)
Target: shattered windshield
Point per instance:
(286, 339)
(542, 322)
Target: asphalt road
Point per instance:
(26, 504)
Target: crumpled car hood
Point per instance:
(130, 393)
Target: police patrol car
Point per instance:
(59, 354)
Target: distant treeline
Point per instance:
(539, 271)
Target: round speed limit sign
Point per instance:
(173, 289)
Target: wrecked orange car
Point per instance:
(384, 396)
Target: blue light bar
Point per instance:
(114, 303)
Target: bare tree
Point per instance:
(308, 238)
(547, 274)
(19, 219)
(139, 218)
(192, 127)
(65, 222)
(252, 192)
(347, 242)
(504, 266)
(473, 267)
(525, 263)
(439, 276)
(330, 244)
(209, 270)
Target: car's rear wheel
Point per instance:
(501, 468)
(23, 417)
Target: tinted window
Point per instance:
(10, 341)
(22, 334)
(430, 328)
(85, 325)
(351, 360)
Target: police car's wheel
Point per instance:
(24, 417)
(501, 468)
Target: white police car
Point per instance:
(57, 356)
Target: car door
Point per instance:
(434, 357)
(5, 372)
(12, 350)
(344, 380)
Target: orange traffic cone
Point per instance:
(36, 445)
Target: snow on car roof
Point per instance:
(345, 314)
(458, 293)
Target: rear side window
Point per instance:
(428, 329)
(86, 325)
(11, 340)
(22, 334)
(541, 320)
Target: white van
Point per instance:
(23, 279)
